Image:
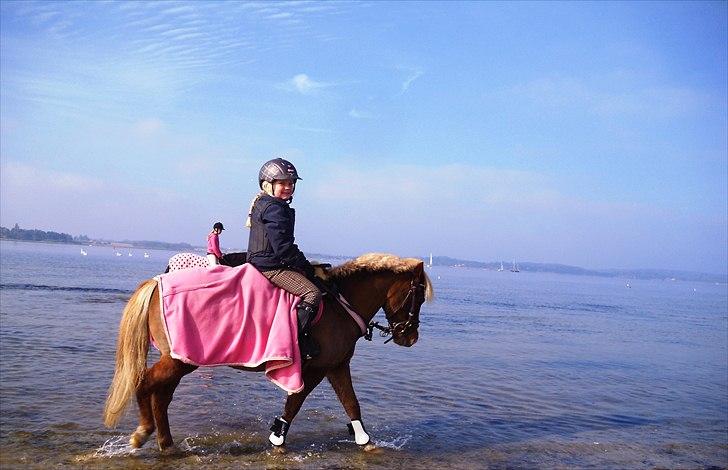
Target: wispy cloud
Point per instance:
(18, 178)
(361, 114)
(303, 84)
(175, 37)
(411, 79)
(148, 127)
(281, 15)
(636, 100)
(178, 10)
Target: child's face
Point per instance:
(283, 189)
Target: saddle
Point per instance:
(321, 272)
(234, 259)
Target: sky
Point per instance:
(585, 133)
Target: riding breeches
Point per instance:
(295, 283)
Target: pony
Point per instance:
(398, 286)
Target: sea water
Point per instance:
(512, 370)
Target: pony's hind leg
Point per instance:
(340, 379)
(154, 396)
(146, 418)
(172, 371)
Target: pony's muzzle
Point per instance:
(406, 341)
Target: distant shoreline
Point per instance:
(438, 262)
(113, 244)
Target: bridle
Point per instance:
(416, 296)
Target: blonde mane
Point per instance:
(375, 262)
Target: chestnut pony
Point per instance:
(368, 283)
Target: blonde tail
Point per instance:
(131, 352)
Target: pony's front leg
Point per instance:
(340, 379)
(311, 378)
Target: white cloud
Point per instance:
(178, 10)
(21, 180)
(277, 16)
(148, 127)
(408, 82)
(304, 84)
(361, 114)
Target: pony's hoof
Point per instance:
(139, 437)
(370, 448)
(171, 449)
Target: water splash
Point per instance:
(397, 443)
(115, 447)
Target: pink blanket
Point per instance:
(232, 316)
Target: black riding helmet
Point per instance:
(218, 225)
(277, 169)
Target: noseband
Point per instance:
(400, 328)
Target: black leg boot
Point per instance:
(309, 347)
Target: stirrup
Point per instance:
(308, 346)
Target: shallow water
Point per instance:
(511, 371)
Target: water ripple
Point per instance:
(102, 290)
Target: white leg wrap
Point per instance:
(276, 440)
(280, 429)
(360, 435)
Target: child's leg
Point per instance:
(297, 284)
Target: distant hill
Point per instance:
(575, 270)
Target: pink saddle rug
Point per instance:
(232, 316)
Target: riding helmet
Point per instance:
(218, 225)
(277, 169)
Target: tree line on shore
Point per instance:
(35, 235)
(17, 233)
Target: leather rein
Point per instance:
(415, 293)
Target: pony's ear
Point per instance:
(420, 268)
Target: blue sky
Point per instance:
(592, 134)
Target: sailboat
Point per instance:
(83, 252)
(430, 265)
(501, 267)
(514, 269)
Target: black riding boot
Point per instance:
(309, 348)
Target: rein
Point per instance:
(401, 327)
